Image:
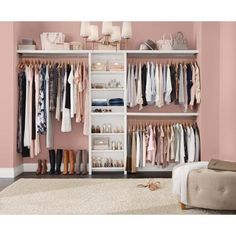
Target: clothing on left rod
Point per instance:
(44, 94)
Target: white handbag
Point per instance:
(166, 43)
(50, 39)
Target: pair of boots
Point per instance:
(55, 161)
(69, 158)
(42, 167)
(81, 158)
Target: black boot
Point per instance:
(52, 161)
(58, 161)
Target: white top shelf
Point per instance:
(129, 52)
(183, 114)
(162, 53)
(53, 52)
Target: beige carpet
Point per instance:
(89, 196)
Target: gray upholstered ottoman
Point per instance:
(211, 189)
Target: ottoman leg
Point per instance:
(182, 206)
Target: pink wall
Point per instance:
(227, 107)
(210, 79)
(216, 42)
(7, 118)
(141, 30)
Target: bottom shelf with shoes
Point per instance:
(103, 169)
(69, 161)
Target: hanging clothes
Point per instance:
(162, 84)
(162, 144)
(47, 91)
(139, 98)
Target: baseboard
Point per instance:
(11, 172)
(25, 167)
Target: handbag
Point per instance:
(166, 43)
(50, 39)
(179, 42)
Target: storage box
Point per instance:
(101, 143)
(26, 47)
(76, 45)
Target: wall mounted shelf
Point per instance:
(134, 53)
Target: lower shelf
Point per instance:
(108, 169)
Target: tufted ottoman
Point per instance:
(211, 189)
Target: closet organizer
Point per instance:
(138, 108)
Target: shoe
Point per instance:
(78, 162)
(65, 161)
(85, 162)
(44, 168)
(58, 161)
(40, 166)
(52, 161)
(72, 162)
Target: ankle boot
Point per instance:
(52, 161)
(58, 161)
(78, 162)
(44, 168)
(72, 162)
(39, 169)
(85, 162)
(65, 161)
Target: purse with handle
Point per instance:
(50, 39)
(166, 43)
(179, 42)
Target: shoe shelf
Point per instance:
(107, 89)
(107, 151)
(108, 169)
(107, 134)
(117, 117)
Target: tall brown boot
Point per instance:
(65, 161)
(85, 162)
(44, 168)
(39, 169)
(72, 162)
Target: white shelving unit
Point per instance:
(119, 115)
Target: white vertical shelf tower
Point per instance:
(116, 118)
